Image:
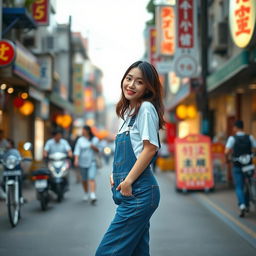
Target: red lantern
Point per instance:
(18, 102)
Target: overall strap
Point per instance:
(131, 123)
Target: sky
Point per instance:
(114, 29)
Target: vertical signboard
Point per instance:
(242, 14)
(186, 54)
(40, 12)
(152, 46)
(165, 23)
(193, 163)
(78, 89)
(89, 99)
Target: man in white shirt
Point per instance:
(240, 144)
(57, 144)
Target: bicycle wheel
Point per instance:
(13, 205)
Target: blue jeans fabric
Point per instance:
(239, 178)
(128, 233)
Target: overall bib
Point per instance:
(128, 233)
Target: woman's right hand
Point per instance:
(111, 180)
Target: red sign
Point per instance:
(7, 53)
(185, 24)
(193, 163)
(40, 12)
(152, 47)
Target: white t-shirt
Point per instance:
(145, 127)
(86, 155)
(231, 140)
(52, 146)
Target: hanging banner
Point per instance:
(78, 89)
(40, 12)
(165, 24)
(186, 54)
(152, 46)
(193, 163)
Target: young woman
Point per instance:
(84, 153)
(134, 188)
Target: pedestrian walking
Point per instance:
(240, 144)
(85, 152)
(134, 187)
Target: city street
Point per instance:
(184, 224)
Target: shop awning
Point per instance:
(228, 70)
(57, 100)
(17, 18)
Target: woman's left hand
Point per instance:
(125, 188)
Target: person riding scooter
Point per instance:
(55, 151)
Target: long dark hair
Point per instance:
(89, 130)
(154, 92)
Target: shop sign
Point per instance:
(26, 65)
(186, 54)
(7, 53)
(219, 162)
(193, 162)
(40, 12)
(165, 30)
(46, 71)
(88, 99)
(242, 22)
(78, 90)
(153, 58)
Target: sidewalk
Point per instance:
(223, 203)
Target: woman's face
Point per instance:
(133, 86)
(85, 133)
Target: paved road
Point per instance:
(183, 225)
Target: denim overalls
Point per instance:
(128, 234)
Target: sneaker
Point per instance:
(242, 210)
(23, 200)
(93, 198)
(86, 197)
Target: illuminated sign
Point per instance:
(242, 21)
(152, 46)
(165, 30)
(7, 53)
(78, 89)
(89, 99)
(40, 12)
(193, 162)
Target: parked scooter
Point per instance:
(12, 178)
(54, 179)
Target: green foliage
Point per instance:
(151, 9)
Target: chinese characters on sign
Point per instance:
(40, 12)
(193, 163)
(186, 54)
(185, 24)
(242, 21)
(165, 30)
(78, 92)
(152, 46)
(7, 53)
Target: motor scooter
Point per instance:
(54, 178)
(12, 179)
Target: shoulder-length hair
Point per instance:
(153, 92)
(89, 130)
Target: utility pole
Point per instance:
(205, 125)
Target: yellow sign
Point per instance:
(242, 21)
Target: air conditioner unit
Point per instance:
(48, 44)
(220, 37)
